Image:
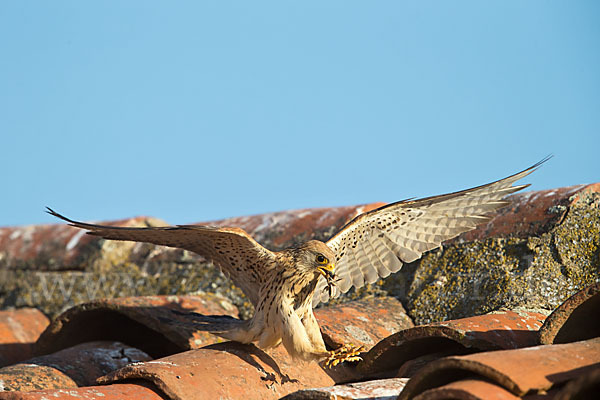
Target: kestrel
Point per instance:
(284, 286)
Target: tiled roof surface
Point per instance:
(500, 330)
(78, 365)
(19, 329)
(153, 347)
(159, 325)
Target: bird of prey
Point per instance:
(284, 286)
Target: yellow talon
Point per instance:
(346, 353)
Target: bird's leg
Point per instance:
(346, 353)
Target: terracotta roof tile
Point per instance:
(587, 386)
(362, 322)
(76, 366)
(158, 325)
(56, 246)
(468, 389)
(499, 330)
(19, 329)
(226, 370)
(575, 319)
(137, 391)
(27, 377)
(381, 389)
(519, 371)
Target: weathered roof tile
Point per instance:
(26, 377)
(19, 329)
(120, 391)
(587, 386)
(499, 330)
(471, 389)
(158, 325)
(76, 366)
(381, 389)
(575, 319)
(362, 322)
(226, 370)
(56, 246)
(520, 371)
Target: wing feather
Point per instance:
(401, 232)
(238, 255)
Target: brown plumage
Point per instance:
(284, 286)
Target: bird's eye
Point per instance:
(321, 259)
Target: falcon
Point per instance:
(284, 286)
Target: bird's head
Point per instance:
(317, 257)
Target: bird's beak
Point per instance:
(327, 270)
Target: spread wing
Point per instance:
(377, 243)
(239, 256)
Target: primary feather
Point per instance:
(377, 243)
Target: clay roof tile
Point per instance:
(137, 391)
(19, 329)
(499, 330)
(520, 371)
(575, 319)
(79, 365)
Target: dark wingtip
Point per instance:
(57, 215)
(543, 160)
(529, 170)
(52, 212)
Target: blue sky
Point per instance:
(194, 110)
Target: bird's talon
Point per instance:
(346, 353)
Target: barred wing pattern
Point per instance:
(377, 243)
(238, 255)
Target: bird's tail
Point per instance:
(226, 327)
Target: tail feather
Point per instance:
(226, 327)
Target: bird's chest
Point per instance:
(303, 294)
(292, 289)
